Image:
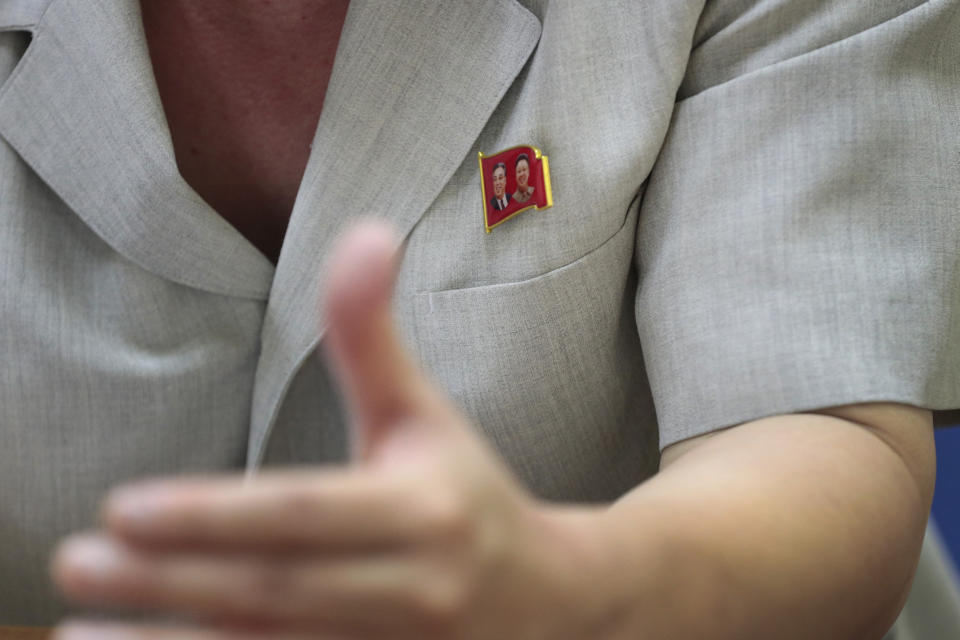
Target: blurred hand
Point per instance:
(426, 535)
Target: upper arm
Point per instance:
(905, 429)
(819, 507)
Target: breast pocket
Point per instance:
(551, 370)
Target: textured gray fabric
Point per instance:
(775, 180)
(20, 15)
(84, 114)
(815, 261)
(385, 151)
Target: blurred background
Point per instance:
(946, 498)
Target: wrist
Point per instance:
(594, 585)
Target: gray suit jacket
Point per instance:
(773, 228)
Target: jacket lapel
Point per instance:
(83, 110)
(21, 15)
(413, 85)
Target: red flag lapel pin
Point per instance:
(512, 181)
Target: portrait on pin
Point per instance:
(500, 198)
(524, 189)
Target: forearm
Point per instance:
(801, 526)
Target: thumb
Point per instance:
(383, 388)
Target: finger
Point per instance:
(86, 630)
(364, 596)
(279, 511)
(381, 384)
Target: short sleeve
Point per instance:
(798, 245)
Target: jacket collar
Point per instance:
(21, 15)
(412, 87)
(82, 109)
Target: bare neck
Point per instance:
(269, 17)
(261, 30)
(242, 84)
